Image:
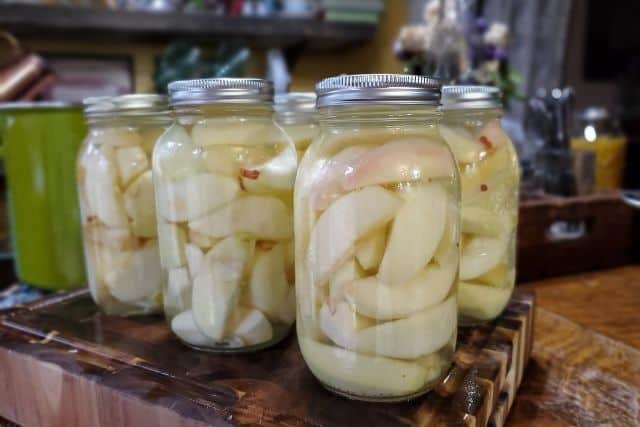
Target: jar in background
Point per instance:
(595, 130)
(223, 175)
(376, 227)
(296, 113)
(489, 178)
(116, 195)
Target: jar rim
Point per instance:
(140, 104)
(462, 97)
(220, 90)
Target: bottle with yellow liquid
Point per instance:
(597, 131)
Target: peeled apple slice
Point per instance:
(480, 255)
(361, 374)
(139, 277)
(201, 240)
(178, 157)
(408, 159)
(287, 312)
(369, 251)
(482, 302)
(268, 287)
(101, 188)
(418, 335)
(232, 252)
(214, 298)
(462, 143)
(194, 258)
(349, 218)
(231, 132)
(139, 202)
(415, 233)
(263, 217)
(450, 236)
(189, 198)
(327, 184)
(131, 162)
(494, 134)
(251, 326)
(476, 220)
(496, 171)
(179, 286)
(277, 174)
(500, 276)
(113, 238)
(171, 239)
(347, 273)
(341, 324)
(184, 326)
(374, 299)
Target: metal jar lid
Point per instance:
(295, 102)
(463, 97)
(220, 90)
(125, 105)
(357, 89)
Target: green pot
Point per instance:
(40, 145)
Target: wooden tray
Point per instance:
(63, 363)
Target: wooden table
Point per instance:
(585, 367)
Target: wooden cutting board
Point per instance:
(63, 363)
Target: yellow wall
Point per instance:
(371, 57)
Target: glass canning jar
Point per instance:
(376, 228)
(489, 178)
(115, 188)
(296, 113)
(223, 175)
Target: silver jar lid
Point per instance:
(295, 102)
(463, 97)
(220, 90)
(379, 89)
(125, 105)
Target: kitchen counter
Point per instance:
(585, 365)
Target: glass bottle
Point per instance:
(223, 175)
(489, 178)
(115, 188)
(296, 113)
(376, 228)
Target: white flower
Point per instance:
(414, 38)
(497, 34)
(431, 10)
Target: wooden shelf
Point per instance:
(73, 22)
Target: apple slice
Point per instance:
(450, 237)
(370, 250)
(195, 257)
(327, 183)
(268, 287)
(184, 326)
(476, 220)
(104, 198)
(501, 276)
(372, 298)
(131, 162)
(482, 302)
(262, 217)
(341, 324)
(465, 149)
(214, 297)
(202, 241)
(232, 252)
(171, 239)
(139, 277)
(407, 159)
(179, 287)
(189, 198)
(277, 174)
(177, 157)
(492, 135)
(362, 375)
(498, 171)
(413, 337)
(250, 325)
(113, 238)
(345, 274)
(287, 312)
(233, 132)
(139, 202)
(480, 255)
(352, 216)
(415, 233)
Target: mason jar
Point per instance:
(115, 188)
(376, 226)
(489, 178)
(296, 113)
(223, 175)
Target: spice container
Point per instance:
(376, 221)
(489, 178)
(116, 195)
(224, 177)
(296, 113)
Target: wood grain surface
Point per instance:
(63, 363)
